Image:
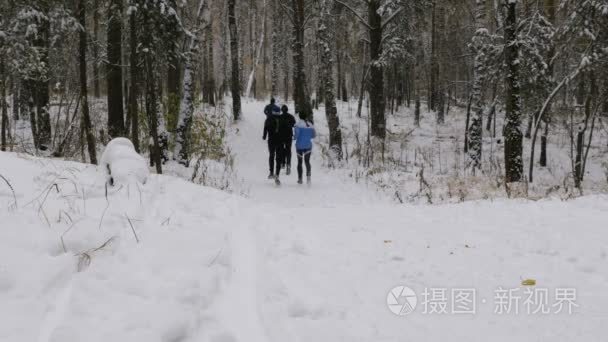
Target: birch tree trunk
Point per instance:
(181, 153)
(258, 53)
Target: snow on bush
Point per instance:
(122, 164)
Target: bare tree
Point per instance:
(377, 21)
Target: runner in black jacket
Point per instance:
(291, 122)
(278, 131)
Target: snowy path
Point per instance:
(327, 190)
(239, 305)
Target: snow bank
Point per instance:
(122, 164)
(77, 266)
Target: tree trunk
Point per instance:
(326, 35)
(417, 111)
(376, 91)
(432, 100)
(285, 37)
(28, 92)
(301, 96)
(543, 146)
(551, 15)
(265, 50)
(210, 65)
(173, 72)
(134, 71)
(338, 90)
(512, 134)
(475, 131)
(152, 110)
(181, 152)
(467, 127)
(579, 165)
(3, 106)
(84, 101)
(276, 49)
(41, 85)
(96, 77)
(439, 55)
(16, 98)
(235, 83)
(114, 70)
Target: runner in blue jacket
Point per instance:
(272, 108)
(304, 133)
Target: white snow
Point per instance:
(122, 164)
(183, 262)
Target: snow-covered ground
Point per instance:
(171, 261)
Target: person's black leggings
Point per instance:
(303, 155)
(275, 154)
(287, 152)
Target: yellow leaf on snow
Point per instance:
(529, 282)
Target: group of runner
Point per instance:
(281, 129)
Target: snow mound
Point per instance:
(122, 164)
